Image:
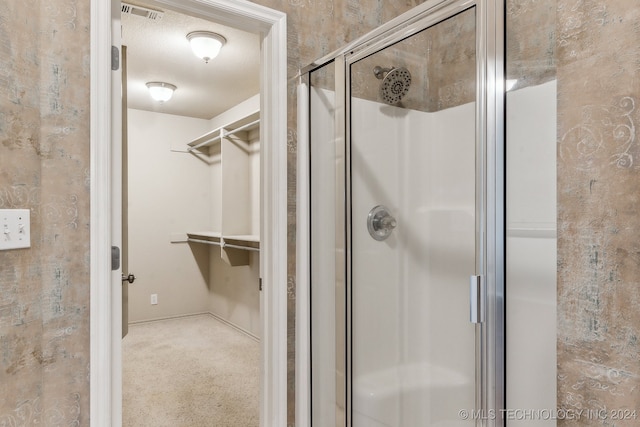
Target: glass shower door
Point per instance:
(411, 229)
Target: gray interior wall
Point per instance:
(44, 167)
(169, 194)
(598, 268)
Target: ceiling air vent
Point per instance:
(153, 15)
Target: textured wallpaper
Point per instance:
(530, 41)
(44, 167)
(598, 52)
(441, 60)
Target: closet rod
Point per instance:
(222, 134)
(246, 248)
(206, 242)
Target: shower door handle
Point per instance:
(476, 299)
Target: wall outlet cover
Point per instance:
(15, 229)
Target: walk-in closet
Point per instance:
(192, 210)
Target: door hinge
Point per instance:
(260, 283)
(115, 58)
(477, 299)
(115, 258)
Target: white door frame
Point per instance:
(105, 363)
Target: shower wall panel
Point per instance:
(531, 242)
(531, 252)
(327, 261)
(408, 366)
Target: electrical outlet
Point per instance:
(154, 299)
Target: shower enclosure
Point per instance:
(404, 283)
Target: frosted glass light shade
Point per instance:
(205, 44)
(161, 91)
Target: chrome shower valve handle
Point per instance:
(380, 223)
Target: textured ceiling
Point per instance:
(159, 51)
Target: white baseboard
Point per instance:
(207, 313)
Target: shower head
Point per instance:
(395, 83)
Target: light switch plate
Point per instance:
(15, 229)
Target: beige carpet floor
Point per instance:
(192, 371)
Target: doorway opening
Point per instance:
(106, 322)
(191, 222)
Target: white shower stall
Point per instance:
(394, 235)
(422, 245)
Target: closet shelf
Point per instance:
(246, 241)
(210, 138)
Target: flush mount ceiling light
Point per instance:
(161, 91)
(205, 44)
